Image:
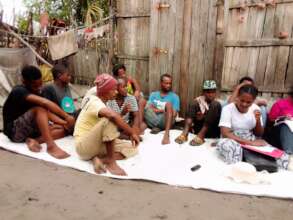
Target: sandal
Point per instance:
(196, 141)
(181, 139)
(155, 130)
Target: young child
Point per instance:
(26, 115)
(59, 91)
(203, 115)
(96, 134)
(125, 105)
(133, 88)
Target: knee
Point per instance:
(168, 106)
(142, 102)
(39, 110)
(285, 131)
(106, 122)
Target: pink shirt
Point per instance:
(282, 107)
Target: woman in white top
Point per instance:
(240, 123)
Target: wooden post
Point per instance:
(112, 33)
(185, 55)
(219, 50)
(30, 29)
(1, 16)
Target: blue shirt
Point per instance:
(160, 101)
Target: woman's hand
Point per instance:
(258, 143)
(257, 115)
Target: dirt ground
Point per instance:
(33, 189)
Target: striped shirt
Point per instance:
(129, 99)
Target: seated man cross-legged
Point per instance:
(26, 115)
(162, 108)
(203, 116)
(96, 134)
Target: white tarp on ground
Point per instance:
(171, 165)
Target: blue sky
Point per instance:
(8, 5)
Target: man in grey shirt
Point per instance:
(59, 91)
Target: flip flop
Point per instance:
(155, 130)
(196, 141)
(181, 139)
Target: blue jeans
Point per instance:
(154, 119)
(286, 138)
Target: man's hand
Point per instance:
(70, 122)
(134, 139)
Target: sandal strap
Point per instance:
(182, 137)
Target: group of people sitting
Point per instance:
(115, 113)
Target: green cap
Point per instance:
(209, 84)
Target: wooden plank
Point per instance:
(142, 15)
(211, 40)
(130, 57)
(177, 46)
(244, 33)
(271, 67)
(236, 29)
(154, 70)
(185, 54)
(259, 43)
(268, 32)
(256, 33)
(163, 38)
(287, 26)
(273, 51)
(289, 74)
(283, 52)
(132, 39)
(202, 50)
(219, 51)
(220, 17)
(253, 3)
(228, 52)
(171, 42)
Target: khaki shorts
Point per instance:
(93, 143)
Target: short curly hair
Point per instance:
(31, 73)
(117, 67)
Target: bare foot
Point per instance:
(56, 152)
(115, 169)
(33, 145)
(166, 140)
(99, 166)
